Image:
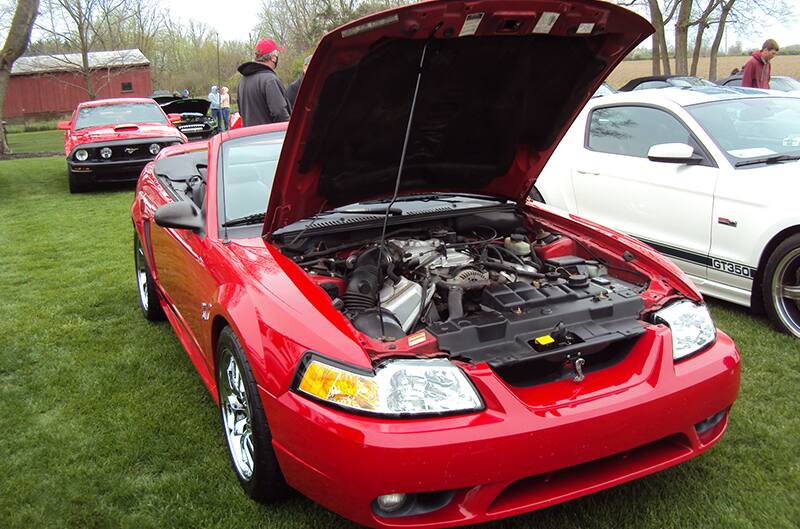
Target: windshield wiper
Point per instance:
(242, 221)
(769, 160)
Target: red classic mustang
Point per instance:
(111, 140)
(386, 324)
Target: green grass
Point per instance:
(42, 141)
(104, 422)
(33, 126)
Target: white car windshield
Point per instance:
(785, 84)
(117, 114)
(249, 165)
(747, 129)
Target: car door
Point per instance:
(667, 205)
(180, 257)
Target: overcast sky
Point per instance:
(233, 19)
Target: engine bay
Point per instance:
(487, 287)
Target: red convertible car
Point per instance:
(111, 140)
(386, 324)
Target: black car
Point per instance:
(195, 122)
(664, 81)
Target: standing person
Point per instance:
(225, 107)
(213, 96)
(291, 92)
(757, 69)
(261, 95)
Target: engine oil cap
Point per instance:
(578, 280)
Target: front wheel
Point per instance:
(244, 423)
(781, 286)
(145, 285)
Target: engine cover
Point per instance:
(573, 319)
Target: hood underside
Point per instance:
(182, 106)
(501, 82)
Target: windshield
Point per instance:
(686, 82)
(117, 114)
(249, 165)
(751, 128)
(784, 84)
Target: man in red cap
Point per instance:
(261, 95)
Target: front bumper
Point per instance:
(531, 448)
(110, 171)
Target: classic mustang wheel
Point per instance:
(145, 286)
(781, 286)
(244, 423)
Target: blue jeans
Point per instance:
(217, 115)
(226, 111)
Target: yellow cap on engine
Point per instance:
(544, 340)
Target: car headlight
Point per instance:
(691, 325)
(398, 387)
(82, 155)
(105, 153)
(154, 148)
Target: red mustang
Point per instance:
(111, 140)
(386, 324)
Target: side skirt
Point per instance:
(191, 348)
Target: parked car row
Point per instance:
(386, 322)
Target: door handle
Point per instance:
(584, 171)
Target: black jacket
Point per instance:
(261, 95)
(291, 90)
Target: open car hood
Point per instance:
(182, 106)
(500, 84)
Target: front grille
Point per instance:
(200, 127)
(543, 489)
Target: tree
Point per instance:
(19, 35)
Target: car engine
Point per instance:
(483, 296)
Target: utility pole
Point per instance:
(219, 71)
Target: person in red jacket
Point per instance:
(757, 69)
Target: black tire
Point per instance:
(780, 288)
(145, 286)
(536, 196)
(76, 185)
(264, 482)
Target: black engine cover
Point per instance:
(581, 320)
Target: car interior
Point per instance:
(184, 176)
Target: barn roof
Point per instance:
(72, 61)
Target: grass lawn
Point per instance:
(104, 422)
(40, 141)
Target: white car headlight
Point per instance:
(691, 325)
(398, 387)
(82, 155)
(105, 153)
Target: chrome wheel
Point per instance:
(236, 416)
(785, 289)
(141, 273)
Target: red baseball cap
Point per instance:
(266, 46)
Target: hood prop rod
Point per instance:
(382, 244)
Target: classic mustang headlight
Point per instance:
(105, 153)
(691, 325)
(154, 148)
(82, 155)
(397, 387)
